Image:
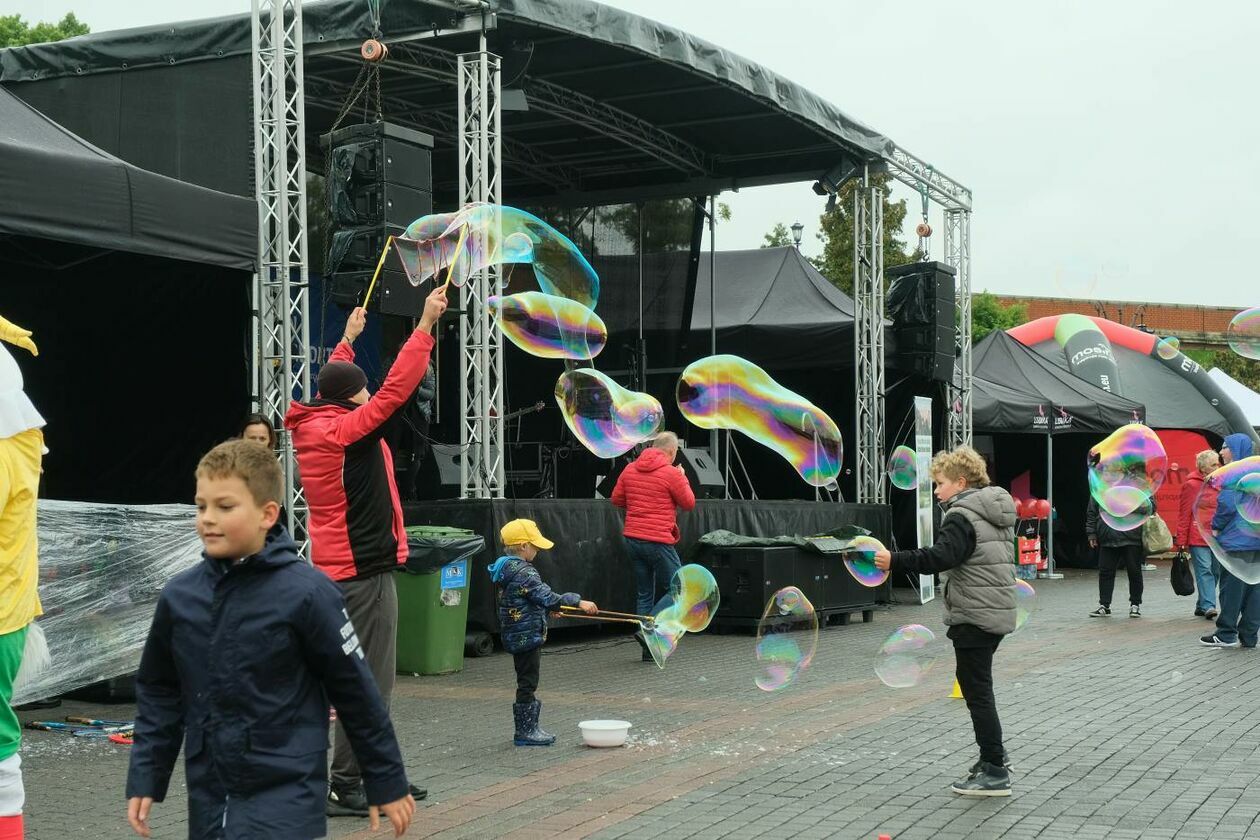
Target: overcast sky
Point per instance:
(1112, 147)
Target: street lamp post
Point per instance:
(797, 230)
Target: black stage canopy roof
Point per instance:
(1019, 390)
(60, 188)
(620, 107)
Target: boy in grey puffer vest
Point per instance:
(975, 554)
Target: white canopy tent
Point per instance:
(1247, 399)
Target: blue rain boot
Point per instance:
(527, 734)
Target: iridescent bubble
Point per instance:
(548, 326)
(692, 600)
(1025, 603)
(609, 420)
(661, 640)
(1125, 471)
(1243, 333)
(482, 235)
(906, 657)
(1168, 348)
(903, 468)
(787, 638)
(727, 392)
(859, 559)
(1228, 514)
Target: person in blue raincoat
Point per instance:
(246, 650)
(1238, 623)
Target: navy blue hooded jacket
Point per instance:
(523, 603)
(240, 664)
(1234, 532)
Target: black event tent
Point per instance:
(1017, 390)
(55, 186)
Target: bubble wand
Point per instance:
(384, 253)
(459, 247)
(611, 614)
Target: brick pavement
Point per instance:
(1117, 728)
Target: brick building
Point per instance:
(1195, 326)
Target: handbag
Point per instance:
(1181, 576)
(1156, 538)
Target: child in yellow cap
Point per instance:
(524, 600)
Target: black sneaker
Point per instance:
(987, 780)
(1198, 612)
(417, 793)
(1211, 614)
(1135, 611)
(346, 803)
(1101, 612)
(1214, 640)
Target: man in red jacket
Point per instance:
(650, 489)
(1207, 570)
(355, 518)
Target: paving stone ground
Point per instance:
(1118, 728)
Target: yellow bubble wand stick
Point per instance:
(459, 249)
(384, 253)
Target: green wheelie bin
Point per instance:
(433, 599)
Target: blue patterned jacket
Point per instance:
(523, 601)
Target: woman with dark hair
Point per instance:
(258, 428)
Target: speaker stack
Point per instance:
(381, 180)
(920, 300)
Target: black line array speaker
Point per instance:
(381, 180)
(920, 300)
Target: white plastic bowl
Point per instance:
(604, 733)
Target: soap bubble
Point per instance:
(727, 392)
(482, 235)
(1125, 471)
(1168, 348)
(787, 637)
(859, 559)
(1243, 333)
(609, 420)
(548, 326)
(903, 468)
(692, 601)
(1025, 603)
(1227, 511)
(906, 657)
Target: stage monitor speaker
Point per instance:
(380, 181)
(703, 474)
(920, 301)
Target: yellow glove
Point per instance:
(15, 335)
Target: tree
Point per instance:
(778, 236)
(989, 314)
(15, 32)
(836, 234)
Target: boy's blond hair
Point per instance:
(248, 460)
(964, 462)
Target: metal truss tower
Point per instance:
(481, 342)
(956, 201)
(281, 353)
(868, 322)
(958, 254)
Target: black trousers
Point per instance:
(527, 664)
(975, 678)
(1112, 557)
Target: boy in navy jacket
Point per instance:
(523, 604)
(244, 654)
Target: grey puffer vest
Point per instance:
(982, 590)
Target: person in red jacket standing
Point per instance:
(650, 489)
(1207, 570)
(355, 518)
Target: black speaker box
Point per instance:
(394, 294)
(703, 474)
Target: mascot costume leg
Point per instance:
(21, 453)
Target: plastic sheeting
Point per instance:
(101, 569)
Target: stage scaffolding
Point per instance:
(281, 362)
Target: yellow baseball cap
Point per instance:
(520, 531)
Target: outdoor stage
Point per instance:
(589, 557)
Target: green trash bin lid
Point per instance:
(437, 531)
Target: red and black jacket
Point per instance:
(355, 519)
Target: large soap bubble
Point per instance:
(727, 392)
(548, 326)
(689, 606)
(482, 235)
(1243, 333)
(1227, 511)
(609, 420)
(787, 637)
(907, 656)
(859, 559)
(1125, 471)
(1025, 603)
(903, 468)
